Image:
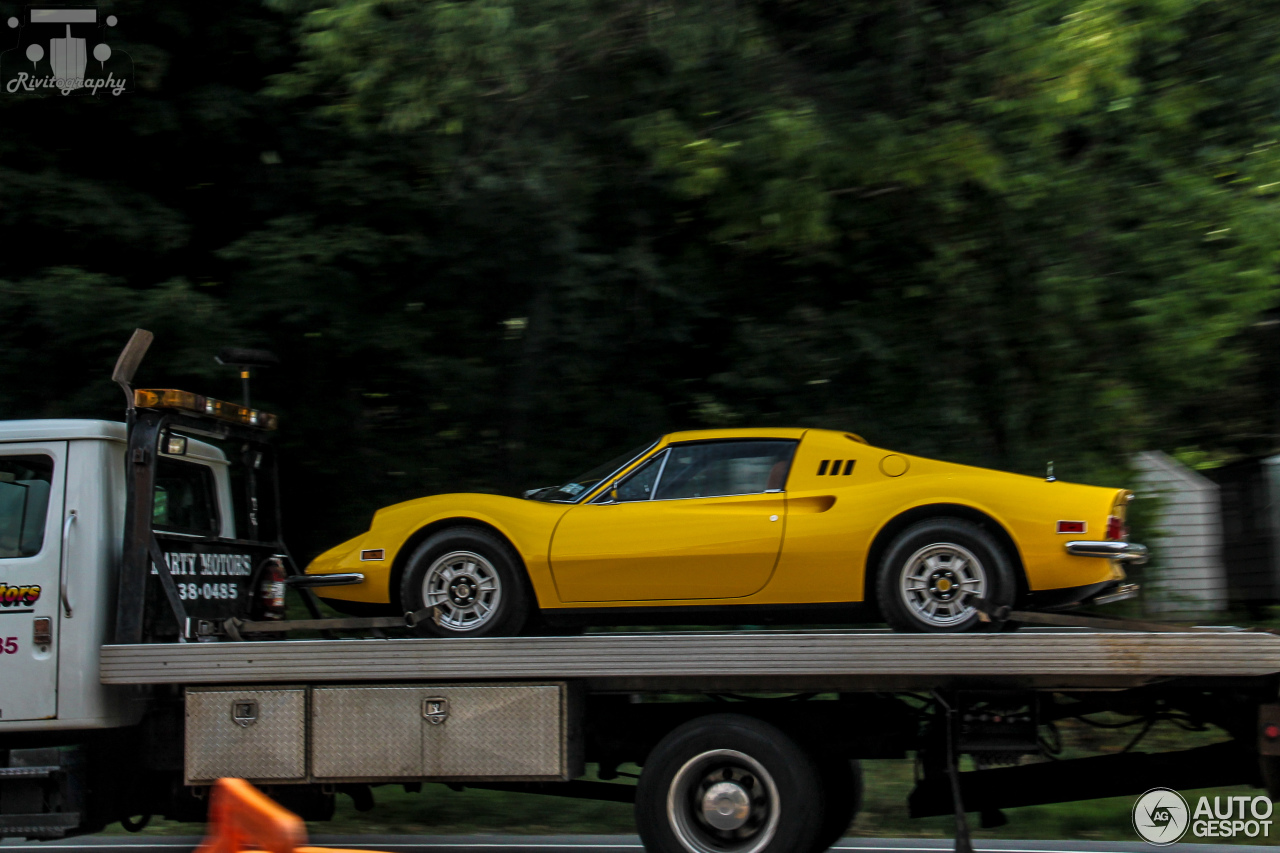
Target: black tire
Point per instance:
(773, 783)
(841, 799)
(477, 584)
(939, 563)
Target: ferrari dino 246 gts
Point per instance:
(743, 526)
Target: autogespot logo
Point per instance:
(1160, 816)
(64, 50)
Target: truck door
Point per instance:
(32, 480)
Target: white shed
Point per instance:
(1187, 573)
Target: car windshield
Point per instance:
(577, 488)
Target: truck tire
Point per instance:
(728, 783)
(841, 798)
(471, 580)
(932, 567)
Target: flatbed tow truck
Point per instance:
(147, 656)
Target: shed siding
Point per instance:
(1188, 574)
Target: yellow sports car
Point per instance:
(739, 526)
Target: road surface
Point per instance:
(596, 844)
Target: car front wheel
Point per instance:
(470, 581)
(933, 571)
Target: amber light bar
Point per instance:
(198, 404)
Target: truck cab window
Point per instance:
(24, 504)
(184, 499)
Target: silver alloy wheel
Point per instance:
(464, 588)
(723, 801)
(938, 580)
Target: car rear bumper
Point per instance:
(1126, 552)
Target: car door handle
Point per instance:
(66, 545)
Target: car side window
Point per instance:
(25, 482)
(715, 468)
(638, 485)
(184, 499)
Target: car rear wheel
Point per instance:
(932, 572)
(470, 581)
(728, 783)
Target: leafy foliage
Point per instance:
(495, 242)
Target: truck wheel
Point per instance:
(931, 571)
(727, 783)
(841, 798)
(471, 580)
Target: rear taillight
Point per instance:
(271, 591)
(1116, 528)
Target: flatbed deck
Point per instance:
(712, 661)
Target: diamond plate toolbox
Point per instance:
(256, 734)
(472, 731)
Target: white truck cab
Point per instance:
(62, 499)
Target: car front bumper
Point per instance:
(1125, 552)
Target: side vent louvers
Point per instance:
(828, 466)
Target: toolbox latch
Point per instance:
(435, 710)
(244, 712)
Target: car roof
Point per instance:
(754, 432)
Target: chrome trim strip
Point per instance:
(335, 579)
(662, 469)
(1128, 552)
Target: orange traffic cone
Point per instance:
(242, 819)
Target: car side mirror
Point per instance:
(613, 493)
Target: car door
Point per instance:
(32, 478)
(701, 520)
